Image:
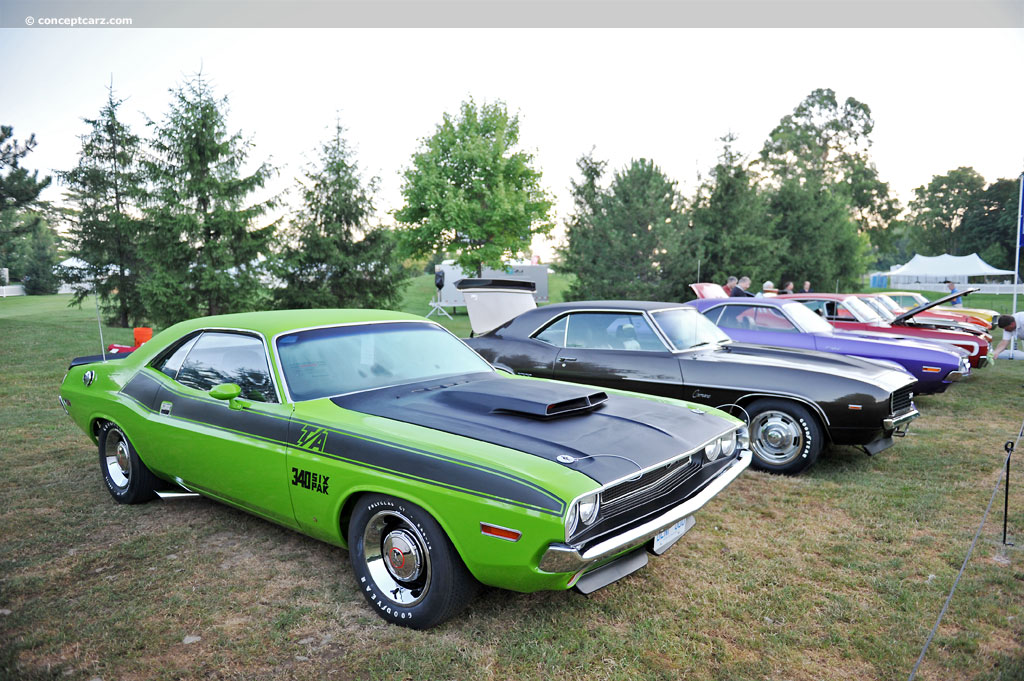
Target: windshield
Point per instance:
(808, 320)
(860, 310)
(879, 307)
(346, 359)
(891, 304)
(687, 328)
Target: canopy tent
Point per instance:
(939, 268)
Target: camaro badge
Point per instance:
(311, 481)
(313, 438)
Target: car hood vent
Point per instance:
(611, 436)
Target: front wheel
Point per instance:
(404, 563)
(784, 436)
(127, 478)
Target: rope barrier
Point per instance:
(970, 550)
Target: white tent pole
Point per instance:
(1016, 260)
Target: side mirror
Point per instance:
(229, 392)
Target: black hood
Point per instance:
(929, 305)
(548, 419)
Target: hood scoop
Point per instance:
(522, 398)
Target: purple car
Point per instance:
(789, 324)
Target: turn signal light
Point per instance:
(500, 532)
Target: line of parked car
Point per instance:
(441, 469)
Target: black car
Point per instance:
(795, 400)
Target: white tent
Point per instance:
(938, 268)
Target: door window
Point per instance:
(611, 331)
(218, 357)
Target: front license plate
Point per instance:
(667, 537)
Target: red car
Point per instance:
(889, 309)
(848, 311)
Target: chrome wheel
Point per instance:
(397, 558)
(118, 459)
(776, 437)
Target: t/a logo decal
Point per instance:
(313, 438)
(311, 481)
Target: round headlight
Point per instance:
(713, 449)
(572, 518)
(729, 444)
(743, 438)
(589, 507)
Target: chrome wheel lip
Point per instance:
(118, 460)
(397, 558)
(776, 437)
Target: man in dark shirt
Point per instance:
(740, 289)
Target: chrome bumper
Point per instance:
(566, 558)
(954, 376)
(894, 422)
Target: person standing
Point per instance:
(958, 301)
(740, 289)
(730, 284)
(788, 288)
(1013, 330)
(806, 288)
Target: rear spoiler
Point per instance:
(92, 359)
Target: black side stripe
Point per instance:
(355, 449)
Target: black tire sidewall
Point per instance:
(134, 492)
(814, 440)
(434, 607)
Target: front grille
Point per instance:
(655, 483)
(901, 400)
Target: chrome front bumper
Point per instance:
(566, 558)
(895, 422)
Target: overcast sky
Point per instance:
(941, 98)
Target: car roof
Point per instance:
(274, 322)
(645, 305)
(711, 302)
(815, 296)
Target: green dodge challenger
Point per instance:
(384, 433)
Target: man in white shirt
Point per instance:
(1013, 330)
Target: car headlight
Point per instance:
(713, 449)
(588, 508)
(572, 519)
(729, 444)
(743, 438)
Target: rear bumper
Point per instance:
(566, 558)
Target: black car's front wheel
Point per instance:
(784, 436)
(404, 563)
(127, 478)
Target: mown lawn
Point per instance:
(838, 574)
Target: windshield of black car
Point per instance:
(687, 328)
(808, 320)
(345, 359)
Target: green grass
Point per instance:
(837, 574)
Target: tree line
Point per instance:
(169, 226)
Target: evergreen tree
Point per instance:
(732, 217)
(105, 188)
(617, 241)
(330, 258)
(203, 250)
(18, 187)
(470, 193)
(38, 267)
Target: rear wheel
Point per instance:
(404, 563)
(127, 478)
(784, 436)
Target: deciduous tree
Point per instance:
(938, 209)
(470, 192)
